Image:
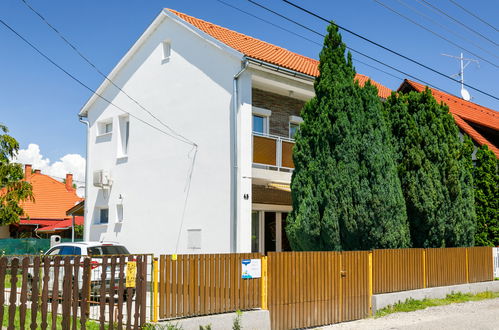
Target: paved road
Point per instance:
(470, 315)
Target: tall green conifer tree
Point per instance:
(435, 169)
(486, 181)
(345, 189)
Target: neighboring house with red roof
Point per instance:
(238, 98)
(46, 214)
(478, 122)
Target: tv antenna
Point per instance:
(464, 63)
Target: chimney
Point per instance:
(69, 182)
(38, 171)
(27, 171)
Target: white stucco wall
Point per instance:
(192, 93)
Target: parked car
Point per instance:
(94, 250)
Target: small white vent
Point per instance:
(193, 238)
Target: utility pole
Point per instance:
(464, 93)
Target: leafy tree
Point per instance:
(13, 189)
(435, 170)
(345, 190)
(486, 180)
(79, 231)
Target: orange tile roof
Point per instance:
(62, 225)
(264, 51)
(467, 110)
(464, 112)
(52, 199)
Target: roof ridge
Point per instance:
(178, 13)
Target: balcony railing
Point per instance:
(273, 152)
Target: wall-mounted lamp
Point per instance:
(120, 200)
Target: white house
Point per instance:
(237, 98)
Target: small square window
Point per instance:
(104, 215)
(105, 127)
(108, 128)
(167, 51)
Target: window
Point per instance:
(70, 251)
(107, 250)
(54, 251)
(258, 124)
(119, 212)
(124, 136)
(108, 128)
(105, 127)
(104, 215)
(261, 120)
(293, 128)
(294, 125)
(167, 51)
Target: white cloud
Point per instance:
(70, 163)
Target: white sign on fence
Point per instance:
(251, 268)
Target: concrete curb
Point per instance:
(257, 319)
(380, 301)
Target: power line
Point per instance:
(458, 22)
(378, 45)
(475, 16)
(86, 86)
(445, 28)
(303, 37)
(349, 48)
(102, 74)
(433, 32)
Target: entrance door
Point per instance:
(270, 231)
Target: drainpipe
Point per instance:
(86, 229)
(235, 109)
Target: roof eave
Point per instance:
(165, 13)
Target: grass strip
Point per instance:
(412, 305)
(90, 325)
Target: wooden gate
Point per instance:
(307, 289)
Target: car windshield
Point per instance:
(107, 250)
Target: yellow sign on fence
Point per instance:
(131, 274)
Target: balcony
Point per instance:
(273, 152)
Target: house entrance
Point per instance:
(268, 231)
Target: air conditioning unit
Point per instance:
(102, 179)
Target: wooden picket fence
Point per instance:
(204, 284)
(68, 292)
(307, 289)
(410, 269)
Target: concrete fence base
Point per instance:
(250, 320)
(380, 301)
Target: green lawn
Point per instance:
(8, 278)
(91, 325)
(411, 304)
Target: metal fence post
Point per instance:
(264, 284)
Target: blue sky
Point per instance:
(39, 103)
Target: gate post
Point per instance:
(370, 270)
(155, 306)
(264, 283)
